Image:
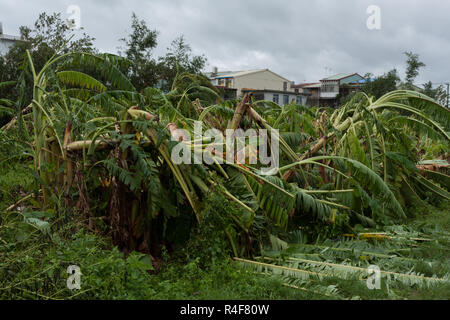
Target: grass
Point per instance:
(34, 259)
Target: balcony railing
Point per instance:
(328, 95)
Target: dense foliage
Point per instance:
(106, 147)
(96, 139)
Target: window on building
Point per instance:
(275, 98)
(228, 83)
(285, 84)
(285, 99)
(299, 100)
(330, 87)
(258, 96)
(221, 82)
(230, 94)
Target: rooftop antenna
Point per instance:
(215, 71)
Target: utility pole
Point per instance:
(448, 93)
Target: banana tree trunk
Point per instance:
(240, 110)
(319, 144)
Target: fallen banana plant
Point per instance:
(100, 144)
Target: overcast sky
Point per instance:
(303, 41)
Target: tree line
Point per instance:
(390, 81)
(50, 34)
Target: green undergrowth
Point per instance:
(36, 248)
(413, 259)
(34, 267)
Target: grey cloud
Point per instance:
(297, 39)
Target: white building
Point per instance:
(277, 96)
(265, 85)
(6, 41)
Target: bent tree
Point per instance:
(104, 148)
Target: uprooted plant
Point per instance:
(105, 148)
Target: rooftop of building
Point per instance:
(234, 74)
(340, 76)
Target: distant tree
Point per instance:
(55, 33)
(49, 35)
(178, 59)
(413, 66)
(381, 85)
(138, 49)
(439, 93)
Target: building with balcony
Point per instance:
(338, 85)
(279, 97)
(309, 90)
(328, 91)
(6, 41)
(263, 83)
